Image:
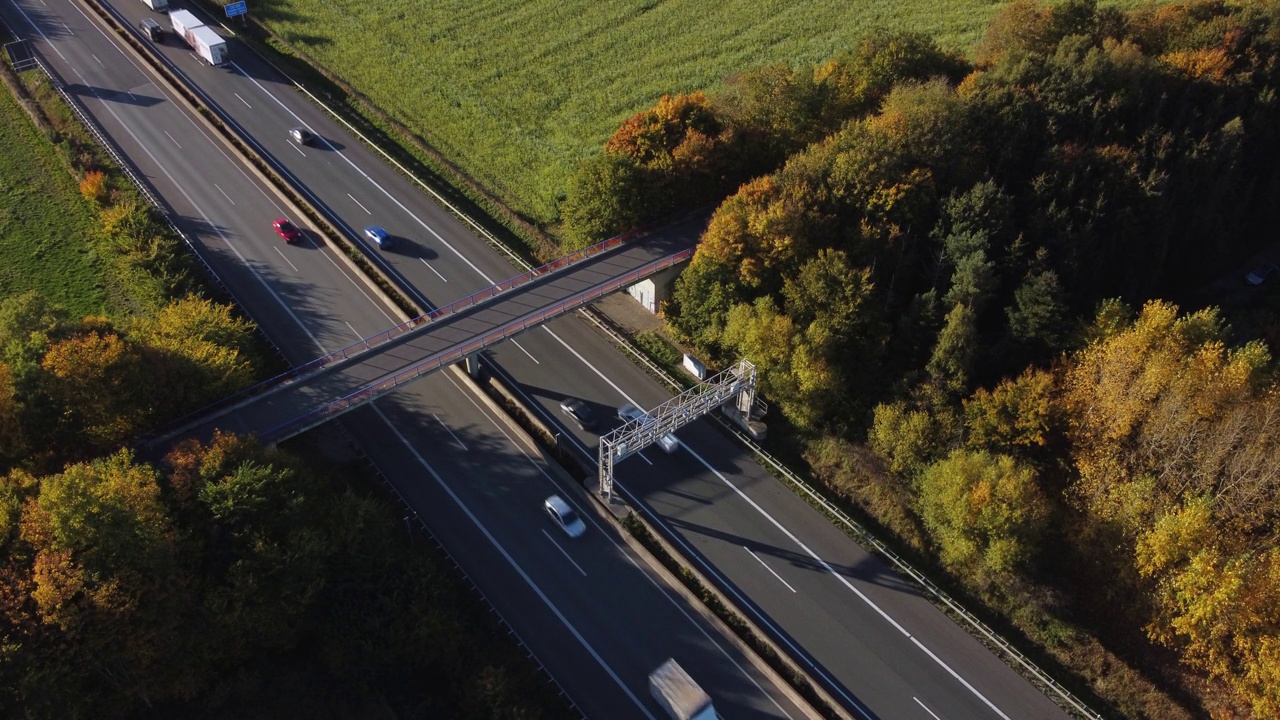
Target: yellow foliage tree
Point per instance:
(1176, 438)
(93, 378)
(1016, 414)
(1145, 404)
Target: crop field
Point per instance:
(516, 93)
(44, 221)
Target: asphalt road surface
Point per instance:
(595, 615)
(877, 644)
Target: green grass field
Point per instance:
(43, 220)
(517, 93)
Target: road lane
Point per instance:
(225, 208)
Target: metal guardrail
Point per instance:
(502, 620)
(460, 352)
(1038, 676)
(87, 121)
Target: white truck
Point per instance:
(679, 695)
(207, 43)
(157, 5)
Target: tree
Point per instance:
(983, 510)
(794, 370)
(27, 325)
(700, 303)
(1037, 313)
(973, 281)
(856, 81)
(105, 574)
(95, 380)
(1018, 414)
(196, 351)
(1162, 410)
(608, 194)
(777, 106)
(1218, 601)
(906, 439)
(955, 352)
(13, 441)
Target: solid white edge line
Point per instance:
(373, 182)
(511, 561)
(839, 578)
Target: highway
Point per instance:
(880, 646)
(595, 614)
(312, 394)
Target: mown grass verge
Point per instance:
(46, 226)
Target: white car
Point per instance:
(564, 516)
(629, 413)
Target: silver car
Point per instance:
(564, 516)
(630, 413)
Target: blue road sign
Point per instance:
(237, 8)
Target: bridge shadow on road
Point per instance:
(119, 96)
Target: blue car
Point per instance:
(378, 236)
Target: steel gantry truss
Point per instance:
(736, 384)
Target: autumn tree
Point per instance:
(105, 581)
(1175, 441)
(906, 438)
(195, 351)
(1018, 415)
(93, 378)
(982, 510)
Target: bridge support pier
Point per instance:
(472, 364)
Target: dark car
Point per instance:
(378, 236)
(580, 412)
(1260, 274)
(287, 230)
(151, 29)
(302, 136)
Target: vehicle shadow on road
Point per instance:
(328, 144)
(411, 249)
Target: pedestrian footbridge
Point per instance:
(326, 387)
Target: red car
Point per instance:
(287, 230)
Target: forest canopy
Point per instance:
(987, 295)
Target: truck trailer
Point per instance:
(208, 44)
(679, 695)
